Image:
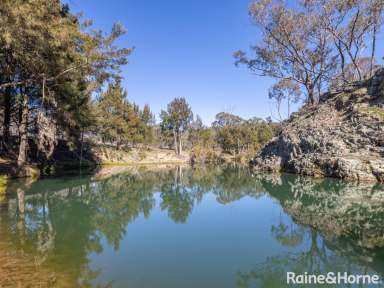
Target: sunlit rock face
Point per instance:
(342, 137)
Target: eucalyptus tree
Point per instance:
(314, 42)
(229, 133)
(195, 130)
(177, 119)
(292, 48)
(352, 27)
(235, 135)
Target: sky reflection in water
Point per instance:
(183, 227)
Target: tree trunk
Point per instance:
(373, 49)
(180, 174)
(175, 140)
(311, 95)
(7, 115)
(289, 107)
(23, 132)
(342, 64)
(118, 143)
(180, 145)
(81, 148)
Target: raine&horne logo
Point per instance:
(333, 278)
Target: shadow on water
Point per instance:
(56, 224)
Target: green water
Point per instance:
(183, 227)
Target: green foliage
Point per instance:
(236, 135)
(149, 121)
(51, 63)
(203, 155)
(178, 115)
(119, 121)
(177, 119)
(374, 111)
(202, 136)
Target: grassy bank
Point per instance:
(110, 156)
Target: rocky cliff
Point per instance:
(342, 136)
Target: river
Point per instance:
(176, 227)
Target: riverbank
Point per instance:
(138, 156)
(101, 156)
(9, 168)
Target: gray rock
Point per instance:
(337, 138)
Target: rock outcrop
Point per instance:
(342, 136)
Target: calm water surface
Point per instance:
(183, 227)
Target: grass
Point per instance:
(139, 163)
(3, 186)
(374, 111)
(35, 172)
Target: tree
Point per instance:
(236, 135)
(285, 90)
(350, 25)
(111, 109)
(147, 116)
(223, 119)
(314, 42)
(376, 12)
(177, 119)
(118, 120)
(228, 131)
(149, 120)
(202, 141)
(350, 74)
(292, 48)
(51, 64)
(195, 131)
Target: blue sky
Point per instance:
(184, 49)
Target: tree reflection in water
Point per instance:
(346, 215)
(59, 223)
